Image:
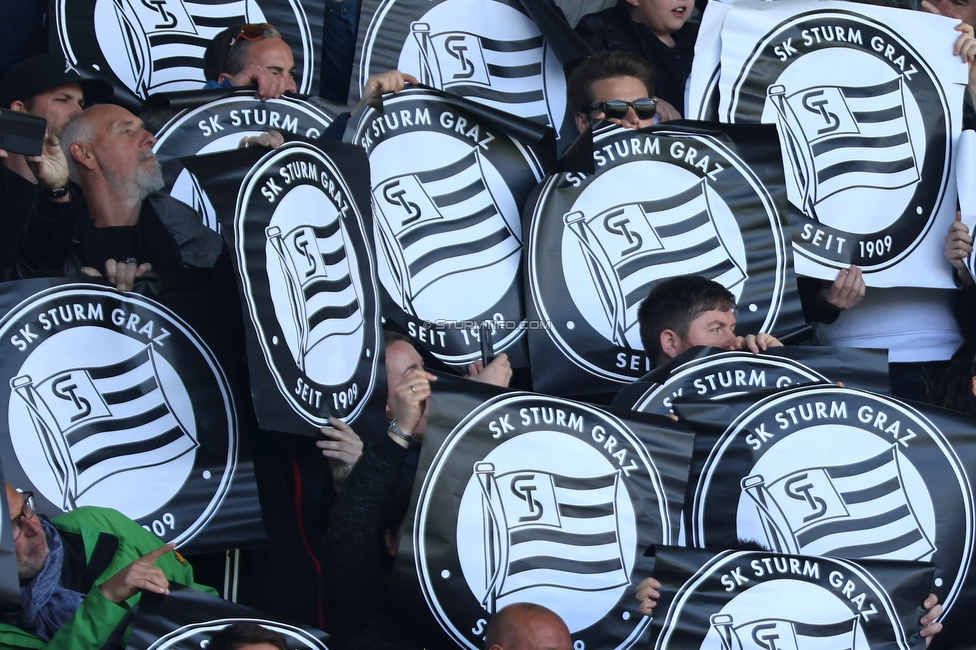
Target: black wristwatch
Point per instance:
(57, 192)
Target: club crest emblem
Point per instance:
(563, 530)
(768, 602)
(864, 121)
(153, 46)
(219, 126)
(97, 410)
(301, 241)
(598, 243)
(446, 194)
(824, 470)
(728, 373)
(488, 51)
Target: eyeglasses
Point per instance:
(27, 510)
(250, 32)
(646, 108)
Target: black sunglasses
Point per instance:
(646, 108)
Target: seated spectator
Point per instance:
(256, 54)
(613, 86)
(81, 574)
(42, 86)
(247, 636)
(526, 626)
(119, 225)
(250, 54)
(682, 312)
(658, 31)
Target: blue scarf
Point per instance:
(46, 605)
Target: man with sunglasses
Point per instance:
(81, 574)
(613, 86)
(251, 54)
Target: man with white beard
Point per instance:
(119, 225)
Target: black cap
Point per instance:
(42, 72)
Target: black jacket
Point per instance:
(612, 29)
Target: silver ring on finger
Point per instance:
(413, 389)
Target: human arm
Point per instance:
(342, 447)
(930, 627)
(958, 248)
(122, 275)
(391, 81)
(648, 595)
(756, 343)
(846, 291)
(497, 373)
(99, 620)
(270, 85)
(666, 111)
(352, 564)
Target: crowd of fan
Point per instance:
(90, 205)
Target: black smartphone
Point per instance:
(487, 338)
(22, 133)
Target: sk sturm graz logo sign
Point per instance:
(524, 524)
(447, 189)
(823, 470)
(864, 121)
(662, 203)
(110, 394)
(488, 51)
(152, 46)
(728, 373)
(301, 243)
(746, 600)
(219, 126)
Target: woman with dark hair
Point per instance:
(958, 388)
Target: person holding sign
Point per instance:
(686, 311)
(81, 574)
(613, 86)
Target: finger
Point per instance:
(152, 556)
(91, 272)
(110, 268)
(152, 579)
(125, 276)
(929, 7)
(409, 78)
(143, 269)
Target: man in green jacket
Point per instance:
(81, 575)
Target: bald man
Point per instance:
(525, 626)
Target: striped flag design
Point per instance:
(630, 247)
(840, 137)
(504, 74)
(96, 422)
(550, 529)
(439, 222)
(166, 41)
(860, 510)
(784, 634)
(322, 294)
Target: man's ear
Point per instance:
(670, 343)
(83, 154)
(974, 385)
(582, 121)
(18, 106)
(222, 76)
